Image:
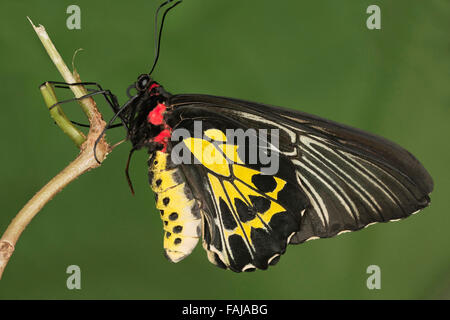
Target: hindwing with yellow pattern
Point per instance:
(251, 215)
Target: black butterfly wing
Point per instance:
(343, 178)
(248, 216)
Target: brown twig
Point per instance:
(85, 161)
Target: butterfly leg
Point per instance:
(110, 98)
(108, 95)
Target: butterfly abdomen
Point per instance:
(179, 210)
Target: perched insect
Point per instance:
(329, 178)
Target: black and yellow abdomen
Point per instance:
(179, 210)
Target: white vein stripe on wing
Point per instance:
(366, 197)
(318, 205)
(338, 196)
(375, 180)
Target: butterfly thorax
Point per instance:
(145, 116)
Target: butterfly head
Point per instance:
(144, 115)
(146, 85)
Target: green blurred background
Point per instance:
(316, 56)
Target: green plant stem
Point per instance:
(59, 116)
(78, 91)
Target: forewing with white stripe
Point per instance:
(351, 178)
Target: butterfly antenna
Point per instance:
(158, 34)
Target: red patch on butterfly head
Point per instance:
(163, 138)
(155, 116)
(153, 85)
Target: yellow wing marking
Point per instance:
(217, 190)
(244, 228)
(245, 174)
(219, 193)
(208, 155)
(280, 185)
(265, 216)
(230, 150)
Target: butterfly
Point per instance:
(331, 178)
(220, 177)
